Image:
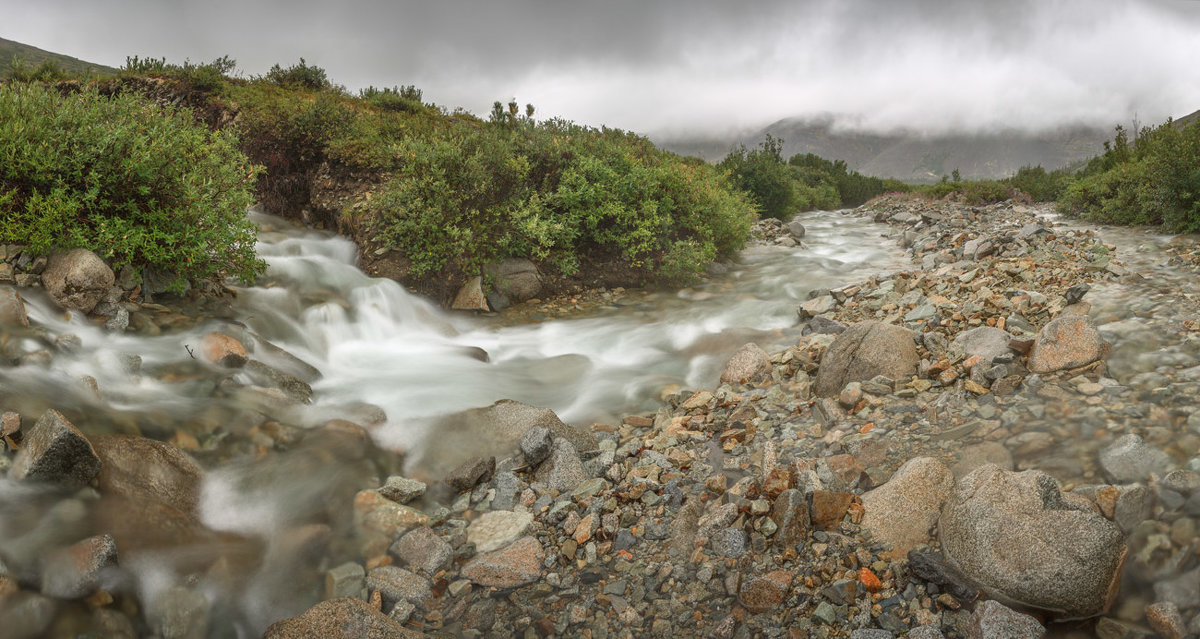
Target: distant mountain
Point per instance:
(1186, 120)
(10, 51)
(913, 157)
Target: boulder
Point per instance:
(1023, 541)
(380, 520)
(984, 341)
(517, 565)
(536, 445)
(563, 470)
(796, 229)
(471, 473)
(397, 584)
(903, 511)
(817, 306)
(402, 489)
(863, 351)
(12, 308)
(749, 364)
(470, 297)
(55, 451)
(77, 280)
(342, 618)
(493, 430)
(515, 278)
(1068, 341)
(137, 468)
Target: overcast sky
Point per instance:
(687, 66)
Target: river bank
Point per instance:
(783, 502)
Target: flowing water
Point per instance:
(366, 342)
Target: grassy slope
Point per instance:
(10, 51)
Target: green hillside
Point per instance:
(11, 51)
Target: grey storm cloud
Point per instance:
(689, 67)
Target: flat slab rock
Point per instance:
(518, 564)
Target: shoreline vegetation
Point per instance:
(434, 197)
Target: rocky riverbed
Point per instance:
(998, 440)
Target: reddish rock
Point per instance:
(10, 423)
(1068, 341)
(471, 297)
(776, 481)
(380, 520)
(762, 594)
(516, 565)
(828, 507)
(224, 350)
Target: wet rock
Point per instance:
(26, 615)
(865, 350)
(471, 297)
(791, 517)
(380, 519)
(1076, 293)
(402, 489)
(1109, 628)
(536, 444)
(1165, 619)
(54, 451)
(563, 470)
(1131, 459)
(138, 468)
(515, 278)
(346, 580)
(1068, 341)
(1015, 534)
(76, 571)
(1182, 590)
(796, 229)
(498, 427)
(77, 280)
(993, 620)
(10, 424)
(518, 564)
(984, 341)
(343, 618)
(498, 528)
(817, 306)
(980, 454)
(903, 511)
(180, 613)
(224, 350)
(270, 377)
(749, 364)
(822, 325)
(470, 473)
(423, 550)
(397, 584)
(12, 308)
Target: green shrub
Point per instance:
(137, 183)
(1039, 184)
(46, 71)
(302, 75)
(762, 173)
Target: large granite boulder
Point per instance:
(863, 351)
(341, 618)
(137, 468)
(903, 511)
(749, 364)
(1017, 536)
(1068, 341)
(77, 280)
(516, 279)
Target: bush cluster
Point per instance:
(804, 182)
(555, 192)
(139, 184)
(1154, 180)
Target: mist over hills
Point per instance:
(11, 51)
(912, 156)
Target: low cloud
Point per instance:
(693, 68)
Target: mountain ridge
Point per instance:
(11, 51)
